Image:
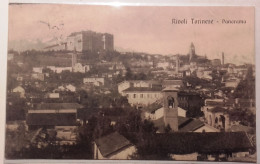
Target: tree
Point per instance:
(129, 74)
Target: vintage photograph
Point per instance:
(92, 82)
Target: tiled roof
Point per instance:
(53, 119)
(112, 143)
(212, 142)
(191, 125)
(140, 89)
(173, 82)
(184, 124)
(56, 106)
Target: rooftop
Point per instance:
(51, 119)
(112, 143)
(184, 124)
(211, 142)
(56, 106)
(140, 89)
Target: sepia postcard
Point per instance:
(163, 83)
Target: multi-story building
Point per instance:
(90, 41)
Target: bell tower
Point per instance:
(192, 52)
(170, 104)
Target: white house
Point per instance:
(19, 90)
(37, 69)
(78, 67)
(71, 88)
(113, 146)
(38, 76)
(61, 69)
(163, 65)
(142, 96)
(53, 95)
(96, 81)
(135, 84)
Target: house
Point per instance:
(37, 69)
(96, 81)
(78, 67)
(163, 65)
(142, 96)
(136, 84)
(51, 115)
(19, 90)
(38, 76)
(113, 146)
(217, 117)
(53, 95)
(61, 69)
(172, 83)
(190, 101)
(232, 83)
(71, 88)
(10, 56)
(68, 87)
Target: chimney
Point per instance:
(223, 56)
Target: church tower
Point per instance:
(192, 51)
(170, 104)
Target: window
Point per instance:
(134, 96)
(141, 96)
(170, 102)
(148, 96)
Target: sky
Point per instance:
(142, 29)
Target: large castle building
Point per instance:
(90, 41)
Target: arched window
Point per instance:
(170, 102)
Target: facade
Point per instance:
(90, 41)
(19, 90)
(113, 146)
(172, 83)
(191, 102)
(96, 81)
(135, 84)
(217, 117)
(37, 69)
(78, 67)
(142, 96)
(216, 62)
(56, 47)
(50, 115)
(232, 83)
(59, 69)
(38, 76)
(53, 95)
